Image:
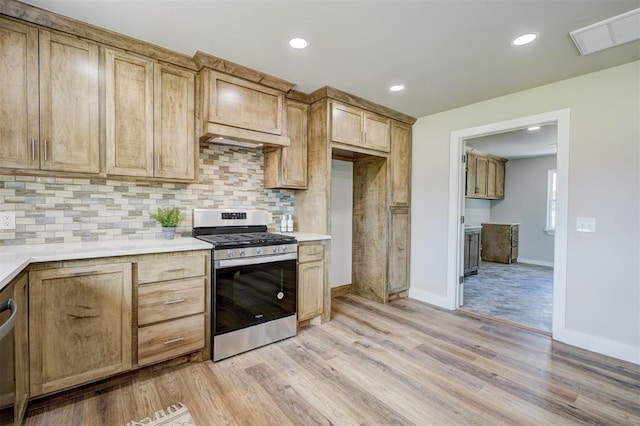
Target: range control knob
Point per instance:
(274, 249)
(229, 253)
(259, 250)
(242, 253)
(285, 248)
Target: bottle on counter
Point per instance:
(290, 223)
(283, 223)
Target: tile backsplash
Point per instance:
(57, 210)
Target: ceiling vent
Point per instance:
(608, 33)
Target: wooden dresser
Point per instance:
(500, 242)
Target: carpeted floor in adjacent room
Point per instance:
(516, 292)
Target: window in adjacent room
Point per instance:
(551, 202)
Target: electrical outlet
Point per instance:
(7, 220)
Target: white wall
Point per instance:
(476, 211)
(525, 202)
(341, 222)
(602, 309)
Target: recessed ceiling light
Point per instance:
(532, 128)
(524, 39)
(298, 43)
(397, 88)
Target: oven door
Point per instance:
(251, 291)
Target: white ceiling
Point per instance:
(448, 53)
(521, 143)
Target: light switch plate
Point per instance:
(586, 224)
(7, 220)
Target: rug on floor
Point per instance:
(175, 415)
(518, 292)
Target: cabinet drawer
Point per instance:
(170, 339)
(171, 269)
(169, 300)
(311, 252)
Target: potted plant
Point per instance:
(168, 218)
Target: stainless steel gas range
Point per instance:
(254, 280)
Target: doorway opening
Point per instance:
(457, 178)
(509, 226)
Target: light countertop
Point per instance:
(14, 259)
(306, 236)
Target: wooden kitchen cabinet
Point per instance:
(500, 242)
(14, 369)
(312, 280)
(399, 250)
(485, 176)
(287, 167)
(50, 92)
(172, 299)
(79, 325)
(358, 127)
(149, 118)
(471, 250)
(400, 165)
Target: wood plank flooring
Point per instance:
(403, 363)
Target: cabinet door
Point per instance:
(19, 100)
(400, 164)
(346, 124)
(476, 176)
(129, 114)
(69, 121)
(21, 348)
(174, 106)
(241, 103)
(310, 289)
(376, 132)
(80, 325)
(500, 166)
(491, 178)
(399, 244)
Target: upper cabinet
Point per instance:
(287, 167)
(149, 118)
(241, 110)
(485, 176)
(358, 127)
(50, 95)
(400, 164)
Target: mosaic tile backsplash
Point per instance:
(60, 210)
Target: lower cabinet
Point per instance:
(399, 244)
(80, 325)
(312, 281)
(471, 251)
(500, 242)
(171, 319)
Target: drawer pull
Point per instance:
(83, 273)
(175, 270)
(171, 302)
(176, 340)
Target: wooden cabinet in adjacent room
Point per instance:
(287, 167)
(485, 176)
(471, 250)
(50, 97)
(400, 165)
(500, 242)
(79, 325)
(312, 280)
(149, 118)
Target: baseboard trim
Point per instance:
(341, 290)
(600, 345)
(432, 298)
(535, 262)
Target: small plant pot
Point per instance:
(168, 233)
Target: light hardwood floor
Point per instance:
(401, 363)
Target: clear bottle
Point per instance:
(283, 223)
(290, 223)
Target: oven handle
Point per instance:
(8, 305)
(229, 263)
